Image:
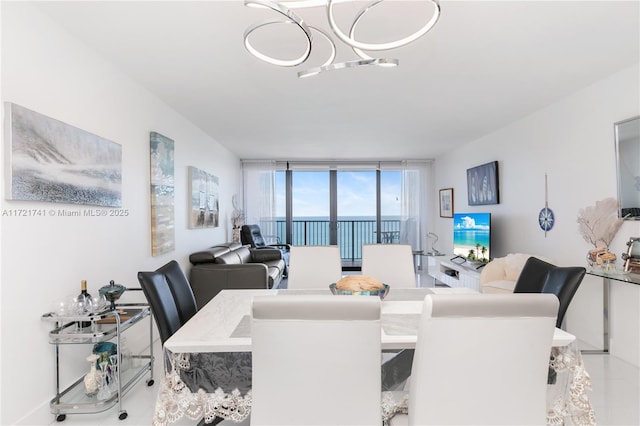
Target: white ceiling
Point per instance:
(484, 65)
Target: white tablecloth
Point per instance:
(208, 371)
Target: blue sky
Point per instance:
(356, 193)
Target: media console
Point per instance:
(454, 274)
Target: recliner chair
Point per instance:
(252, 235)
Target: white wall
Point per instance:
(44, 258)
(572, 141)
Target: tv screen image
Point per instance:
(472, 236)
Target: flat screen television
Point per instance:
(472, 236)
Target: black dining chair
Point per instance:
(532, 277)
(538, 276)
(170, 297)
(181, 290)
(563, 282)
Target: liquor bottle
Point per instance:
(84, 302)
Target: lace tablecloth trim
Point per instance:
(175, 400)
(574, 402)
(394, 402)
(569, 400)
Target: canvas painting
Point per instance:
(482, 184)
(48, 160)
(162, 195)
(204, 199)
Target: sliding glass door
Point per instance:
(356, 213)
(341, 207)
(310, 208)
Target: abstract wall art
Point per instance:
(203, 204)
(48, 160)
(482, 184)
(162, 195)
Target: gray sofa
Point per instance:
(233, 266)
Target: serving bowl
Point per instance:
(382, 293)
(112, 292)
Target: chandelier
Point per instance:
(285, 9)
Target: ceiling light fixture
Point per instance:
(284, 8)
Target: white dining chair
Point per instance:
(316, 360)
(390, 263)
(481, 359)
(314, 266)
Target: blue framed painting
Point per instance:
(482, 184)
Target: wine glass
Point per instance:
(98, 303)
(113, 373)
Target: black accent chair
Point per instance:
(170, 297)
(532, 276)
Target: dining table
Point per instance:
(207, 362)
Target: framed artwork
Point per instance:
(162, 195)
(203, 207)
(446, 202)
(482, 184)
(49, 160)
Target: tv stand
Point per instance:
(455, 274)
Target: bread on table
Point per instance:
(359, 283)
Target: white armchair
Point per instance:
(500, 275)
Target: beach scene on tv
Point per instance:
(472, 236)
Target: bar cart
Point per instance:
(99, 327)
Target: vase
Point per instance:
(236, 235)
(93, 379)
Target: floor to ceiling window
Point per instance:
(344, 204)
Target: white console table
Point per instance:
(455, 275)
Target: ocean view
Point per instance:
(352, 232)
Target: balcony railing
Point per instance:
(352, 234)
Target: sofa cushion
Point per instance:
(265, 255)
(243, 254)
(230, 258)
(208, 256)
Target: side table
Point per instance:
(607, 276)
